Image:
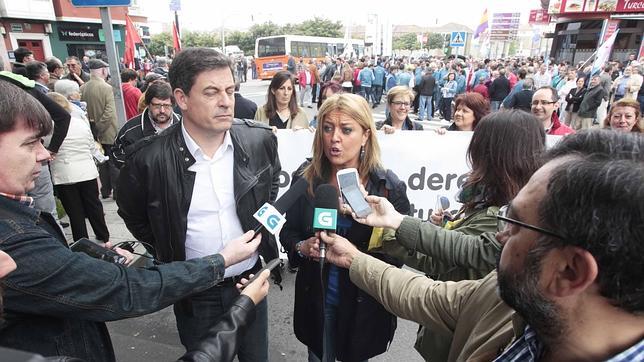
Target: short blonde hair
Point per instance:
(356, 108)
(60, 100)
(400, 90)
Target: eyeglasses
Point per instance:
(401, 104)
(503, 222)
(541, 102)
(160, 106)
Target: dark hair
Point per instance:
(191, 62)
(334, 86)
(553, 92)
(159, 89)
(476, 102)
(18, 105)
(505, 150)
(522, 73)
(270, 108)
(595, 201)
(20, 53)
(35, 69)
(128, 75)
(53, 63)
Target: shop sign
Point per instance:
(595, 6)
(629, 6)
(78, 34)
(539, 16)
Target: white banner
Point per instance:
(431, 165)
(428, 163)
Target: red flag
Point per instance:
(176, 39)
(131, 39)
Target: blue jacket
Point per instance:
(392, 81)
(418, 75)
(404, 78)
(518, 87)
(56, 301)
(379, 75)
(478, 75)
(449, 89)
(441, 76)
(366, 77)
(460, 80)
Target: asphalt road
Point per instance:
(154, 338)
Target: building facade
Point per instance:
(57, 28)
(582, 25)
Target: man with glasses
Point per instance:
(56, 71)
(76, 73)
(545, 103)
(155, 118)
(568, 283)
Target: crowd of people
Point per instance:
(542, 262)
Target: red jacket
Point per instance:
(301, 77)
(559, 128)
(131, 95)
(482, 90)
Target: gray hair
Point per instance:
(528, 83)
(66, 87)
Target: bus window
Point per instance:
(271, 47)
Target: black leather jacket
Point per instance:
(156, 186)
(137, 128)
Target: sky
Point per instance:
(205, 15)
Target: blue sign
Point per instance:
(457, 39)
(101, 3)
(175, 5)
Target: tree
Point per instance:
(199, 39)
(267, 29)
(158, 42)
(243, 40)
(406, 42)
(435, 41)
(320, 27)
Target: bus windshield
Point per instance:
(271, 47)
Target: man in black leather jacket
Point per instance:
(198, 183)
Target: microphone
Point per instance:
(325, 216)
(271, 217)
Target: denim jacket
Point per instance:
(56, 301)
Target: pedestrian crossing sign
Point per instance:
(457, 39)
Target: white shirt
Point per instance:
(212, 218)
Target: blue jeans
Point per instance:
(330, 314)
(425, 107)
(377, 93)
(207, 307)
(366, 93)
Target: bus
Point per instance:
(272, 52)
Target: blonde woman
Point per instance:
(350, 324)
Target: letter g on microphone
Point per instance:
(325, 219)
(270, 217)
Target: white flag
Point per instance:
(603, 52)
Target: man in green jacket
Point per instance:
(569, 275)
(101, 111)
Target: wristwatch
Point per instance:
(298, 246)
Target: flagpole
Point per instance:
(176, 22)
